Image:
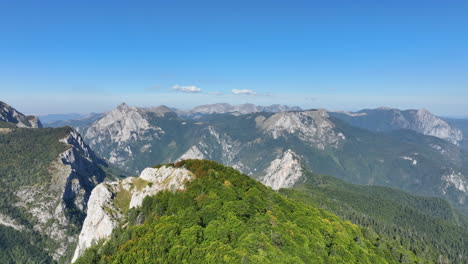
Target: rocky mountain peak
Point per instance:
(120, 127)
(312, 126)
(11, 115)
(159, 110)
(122, 107)
(124, 122)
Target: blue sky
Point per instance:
(83, 56)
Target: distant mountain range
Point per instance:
(388, 119)
(412, 150)
(49, 176)
(222, 108)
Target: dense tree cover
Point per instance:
(224, 216)
(21, 247)
(7, 125)
(430, 227)
(26, 154)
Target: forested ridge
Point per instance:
(430, 227)
(224, 216)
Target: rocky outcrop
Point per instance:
(53, 203)
(312, 126)
(428, 124)
(283, 172)
(5, 220)
(11, 115)
(192, 153)
(109, 200)
(456, 180)
(85, 172)
(99, 222)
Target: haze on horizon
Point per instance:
(64, 57)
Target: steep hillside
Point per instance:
(11, 115)
(131, 137)
(462, 124)
(430, 227)
(223, 216)
(46, 177)
(275, 149)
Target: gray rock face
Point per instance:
(85, 173)
(73, 175)
(104, 214)
(214, 145)
(455, 180)
(428, 124)
(387, 119)
(283, 172)
(311, 126)
(193, 153)
(120, 128)
(11, 115)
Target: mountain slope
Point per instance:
(10, 115)
(223, 216)
(46, 177)
(462, 124)
(403, 159)
(430, 227)
(387, 119)
(133, 138)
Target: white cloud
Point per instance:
(248, 92)
(186, 89)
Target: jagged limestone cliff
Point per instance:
(47, 178)
(110, 200)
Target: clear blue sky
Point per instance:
(83, 56)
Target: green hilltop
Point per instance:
(224, 216)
